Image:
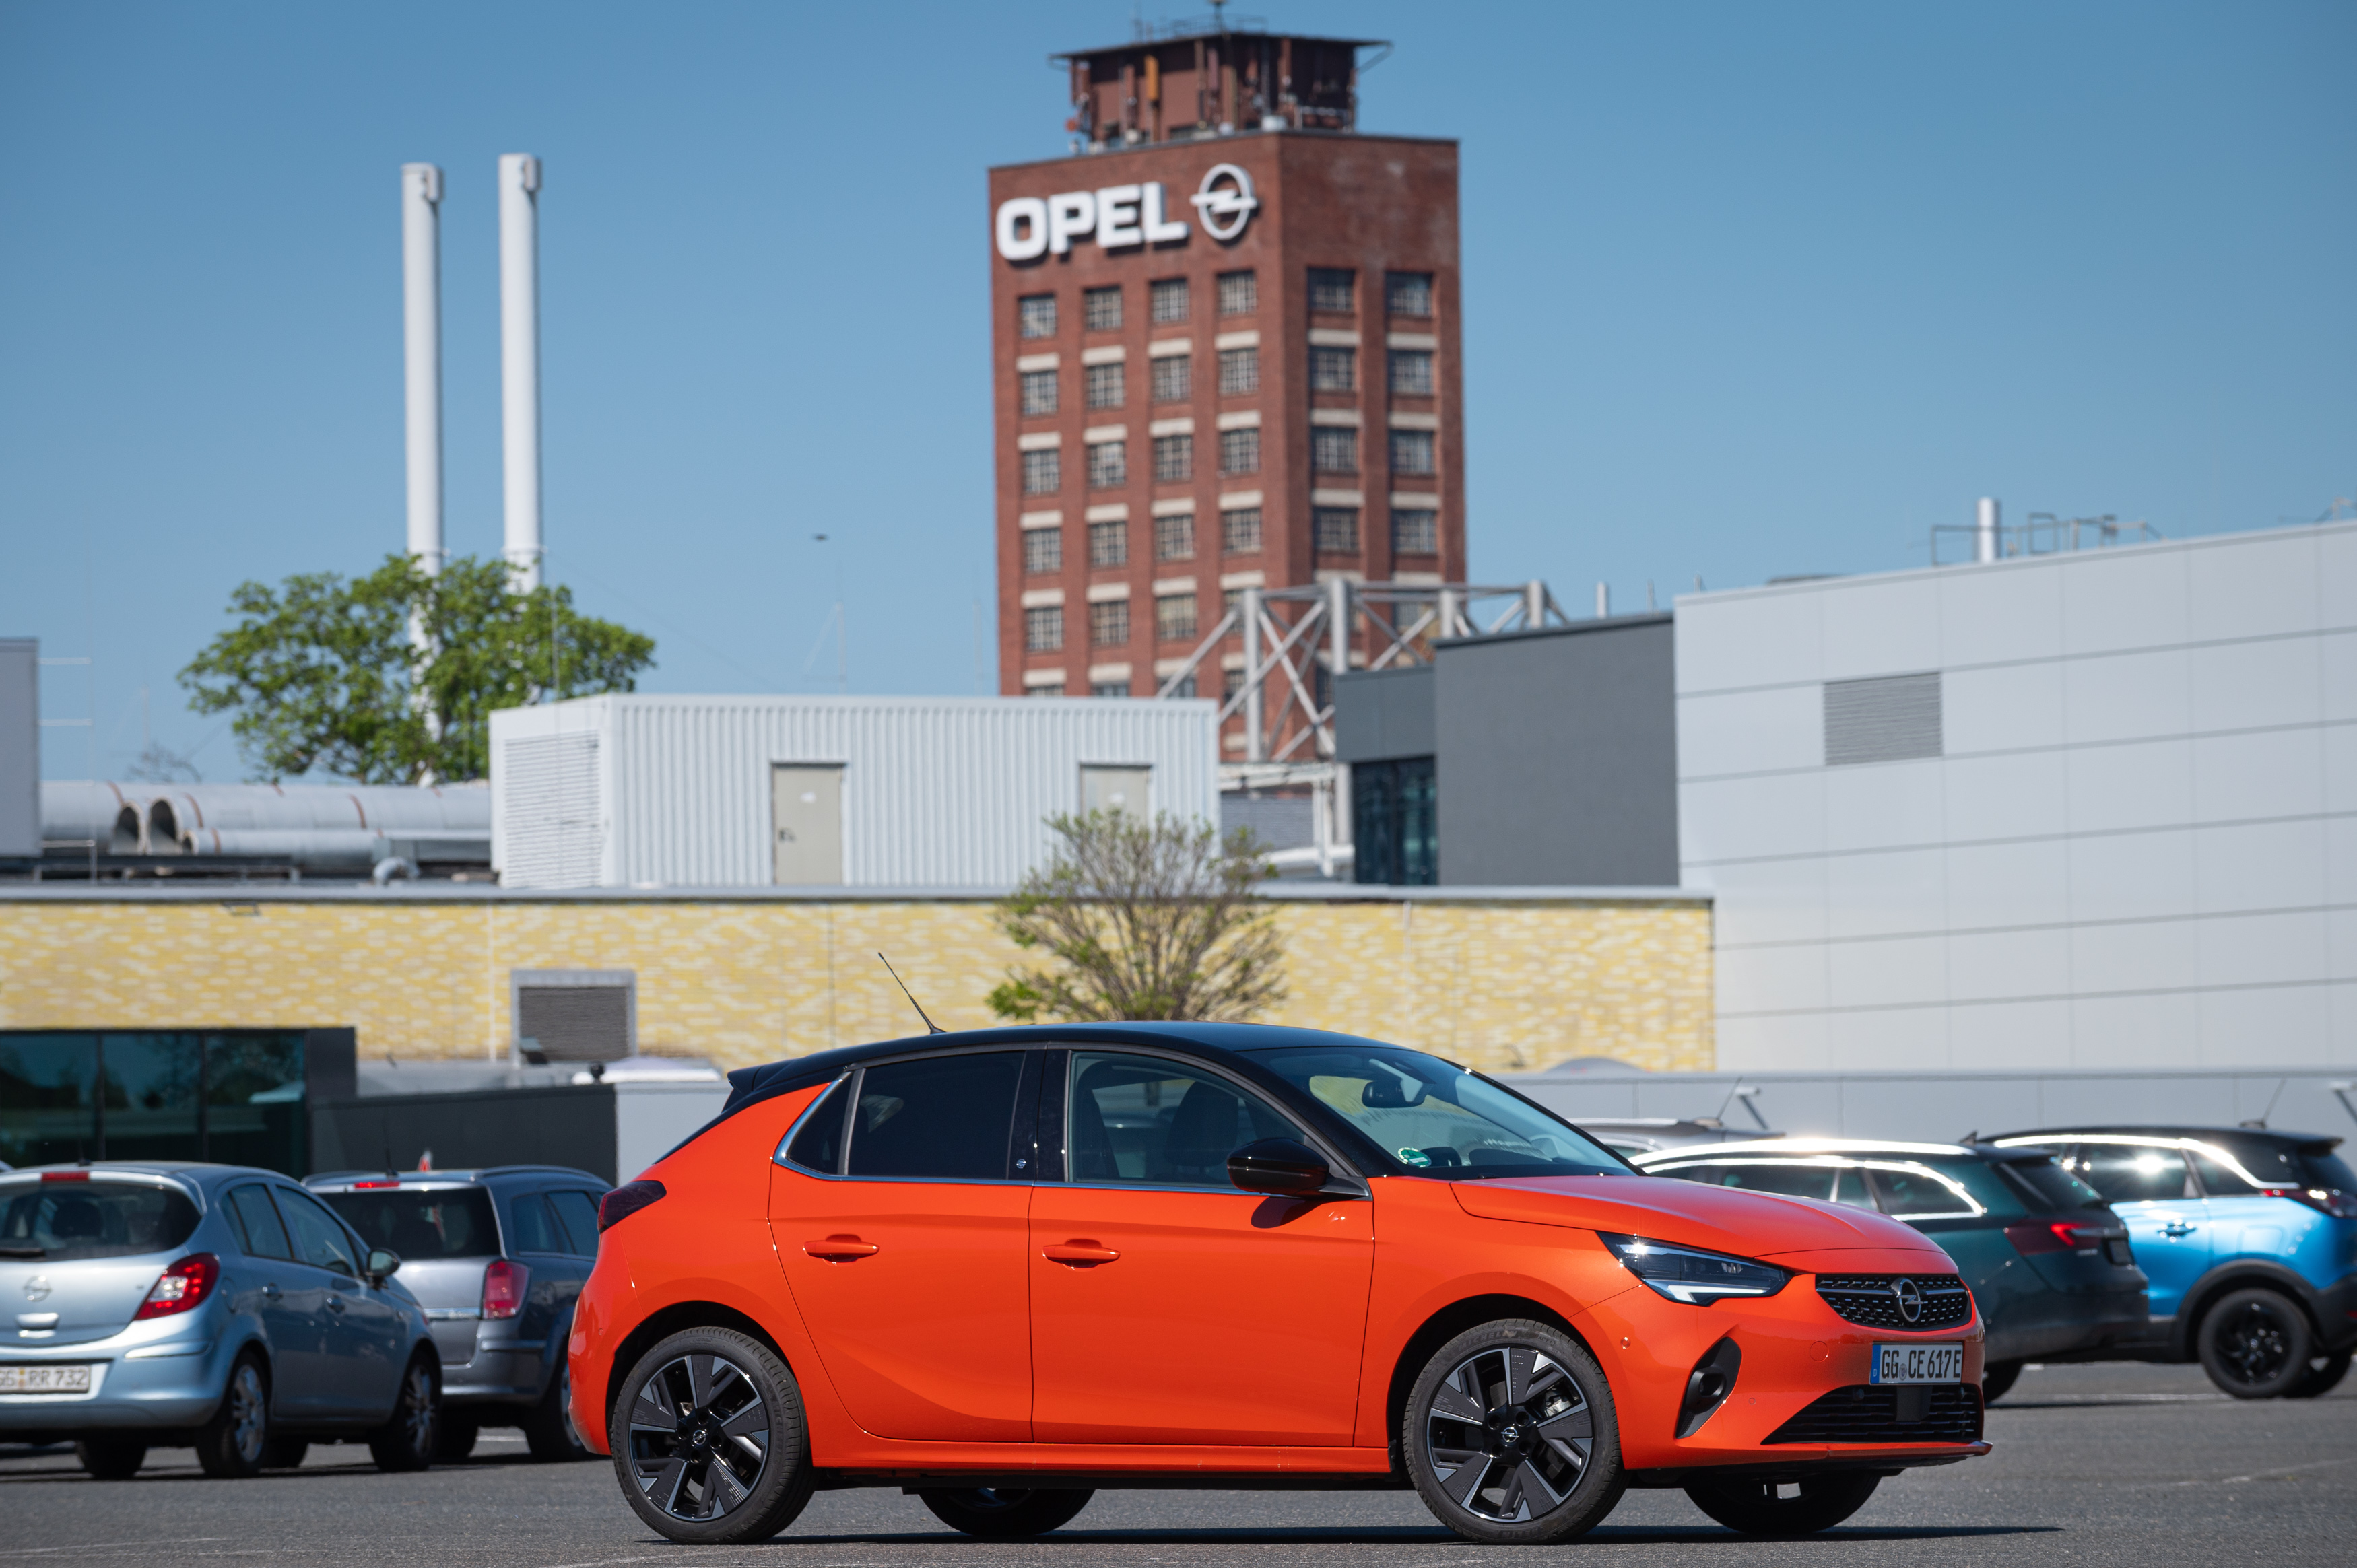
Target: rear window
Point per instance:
(2048, 1186)
(2280, 1164)
(61, 1221)
(450, 1222)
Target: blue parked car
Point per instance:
(2249, 1239)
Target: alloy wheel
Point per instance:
(1509, 1432)
(699, 1437)
(249, 1414)
(2252, 1343)
(417, 1414)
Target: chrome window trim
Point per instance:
(779, 1157)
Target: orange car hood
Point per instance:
(1662, 1209)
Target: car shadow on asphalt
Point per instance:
(1380, 1535)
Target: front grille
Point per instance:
(1873, 1300)
(1941, 1413)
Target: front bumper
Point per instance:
(162, 1375)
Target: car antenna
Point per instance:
(2260, 1124)
(930, 1027)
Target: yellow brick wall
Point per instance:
(1498, 986)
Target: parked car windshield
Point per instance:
(1438, 1118)
(60, 1221)
(2051, 1186)
(451, 1222)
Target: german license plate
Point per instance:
(1917, 1364)
(23, 1379)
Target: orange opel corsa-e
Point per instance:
(1001, 1269)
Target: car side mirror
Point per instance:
(1283, 1167)
(383, 1264)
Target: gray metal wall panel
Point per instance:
(20, 746)
(1381, 715)
(1558, 755)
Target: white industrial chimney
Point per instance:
(520, 359)
(421, 324)
(1985, 534)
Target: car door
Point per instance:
(1166, 1306)
(539, 1240)
(899, 1219)
(287, 1298)
(2151, 1188)
(361, 1348)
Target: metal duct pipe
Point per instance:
(421, 322)
(520, 359)
(1985, 530)
(1255, 736)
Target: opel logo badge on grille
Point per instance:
(38, 1288)
(1910, 1296)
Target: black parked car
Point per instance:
(496, 1257)
(2047, 1260)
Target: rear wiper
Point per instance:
(24, 1252)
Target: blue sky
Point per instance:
(1750, 290)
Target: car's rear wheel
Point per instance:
(456, 1437)
(406, 1442)
(2255, 1343)
(709, 1441)
(2323, 1377)
(1786, 1508)
(998, 1513)
(1997, 1380)
(109, 1457)
(548, 1430)
(285, 1453)
(1511, 1437)
(230, 1447)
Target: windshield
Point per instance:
(60, 1221)
(453, 1222)
(1437, 1118)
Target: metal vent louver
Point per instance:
(1889, 718)
(555, 831)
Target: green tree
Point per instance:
(324, 676)
(1147, 919)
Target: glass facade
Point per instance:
(1395, 819)
(235, 1097)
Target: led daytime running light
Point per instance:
(1690, 1274)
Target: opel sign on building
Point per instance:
(1029, 227)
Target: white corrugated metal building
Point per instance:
(938, 792)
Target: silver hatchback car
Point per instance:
(168, 1303)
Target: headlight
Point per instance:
(1690, 1274)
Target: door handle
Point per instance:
(2177, 1229)
(335, 1303)
(1079, 1254)
(271, 1291)
(842, 1249)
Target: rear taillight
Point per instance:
(626, 1200)
(364, 1186)
(2054, 1236)
(182, 1288)
(505, 1285)
(65, 1175)
(2326, 1201)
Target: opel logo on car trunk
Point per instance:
(38, 1288)
(1910, 1299)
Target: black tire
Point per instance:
(110, 1456)
(548, 1430)
(231, 1443)
(1526, 1403)
(285, 1453)
(1000, 1514)
(2255, 1342)
(407, 1441)
(2323, 1377)
(718, 1452)
(1755, 1508)
(456, 1437)
(1997, 1380)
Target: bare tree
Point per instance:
(1147, 920)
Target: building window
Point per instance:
(1109, 624)
(1239, 371)
(1173, 457)
(1240, 531)
(1334, 449)
(1108, 465)
(1109, 544)
(1408, 294)
(1412, 451)
(1043, 550)
(1412, 372)
(1232, 679)
(1169, 300)
(1036, 315)
(1231, 602)
(1105, 385)
(1240, 451)
(1174, 537)
(1239, 293)
(1416, 533)
(1108, 688)
(1043, 472)
(1184, 686)
(1395, 819)
(1052, 689)
(1334, 530)
(1043, 629)
(1101, 308)
(1173, 616)
(1332, 288)
(1039, 391)
(1171, 382)
(1333, 369)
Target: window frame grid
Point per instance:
(1180, 527)
(1109, 623)
(1240, 443)
(1329, 440)
(1109, 542)
(1030, 381)
(1101, 308)
(1108, 465)
(1043, 551)
(1159, 293)
(1174, 458)
(1032, 322)
(1048, 462)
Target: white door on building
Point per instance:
(1117, 790)
(806, 825)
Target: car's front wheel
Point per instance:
(1786, 1508)
(2255, 1343)
(1997, 1380)
(709, 1438)
(406, 1442)
(1511, 1437)
(999, 1514)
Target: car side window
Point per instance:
(1919, 1195)
(319, 1240)
(535, 1226)
(2220, 1180)
(1783, 1180)
(1148, 1119)
(946, 1118)
(2133, 1172)
(256, 1222)
(1851, 1188)
(578, 1213)
(818, 1141)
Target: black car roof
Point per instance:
(2302, 1141)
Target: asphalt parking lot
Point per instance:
(2096, 1465)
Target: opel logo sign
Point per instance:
(38, 1288)
(1224, 202)
(1910, 1299)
